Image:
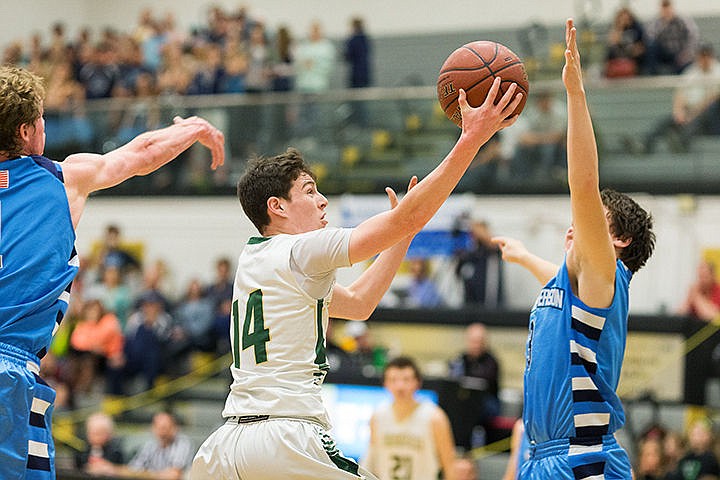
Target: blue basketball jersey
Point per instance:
(574, 355)
(37, 255)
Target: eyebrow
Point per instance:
(308, 182)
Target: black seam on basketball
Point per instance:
(487, 62)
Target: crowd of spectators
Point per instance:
(665, 45)
(126, 326)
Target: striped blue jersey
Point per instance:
(37, 254)
(574, 355)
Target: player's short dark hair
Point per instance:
(403, 362)
(629, 221)
(267, 177)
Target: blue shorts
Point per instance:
(576, 459)
(26, 445)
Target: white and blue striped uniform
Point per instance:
(571, 409)
(37, 265)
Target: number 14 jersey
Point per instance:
(283, 287)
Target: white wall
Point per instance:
(382, 17)
(190, 233)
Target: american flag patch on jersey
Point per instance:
(4, 179)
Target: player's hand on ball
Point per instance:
(490, 116)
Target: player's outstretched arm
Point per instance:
(359, 300)
(418, 206)
(592, 261)
(514, 251)
(85, 173)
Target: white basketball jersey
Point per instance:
(277, 328)
(404, 450)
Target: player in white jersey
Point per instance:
(285, 291)
(409, 439)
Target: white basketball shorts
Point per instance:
(261, 448)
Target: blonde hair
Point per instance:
(21, 99)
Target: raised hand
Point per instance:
(572, 71)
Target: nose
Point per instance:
(323, 201)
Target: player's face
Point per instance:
(306, 208)
(401, 382)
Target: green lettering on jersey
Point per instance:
(259, 336)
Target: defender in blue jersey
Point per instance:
(578, 325)
(41, 202)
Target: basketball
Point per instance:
(473, 68)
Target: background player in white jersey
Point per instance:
(285, 291)
(578, 325)
(409, 439)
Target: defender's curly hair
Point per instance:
(21, 98)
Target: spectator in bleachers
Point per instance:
(651, 461)
(672, 40)
(358, 55)
(103, 453)
(101, 73)
(696, 105)
(700, 462)
(146, 336)
(210, 71)
(221, 288)
(113, 291)
(422, 291)
(480, 268)
(702, 304)
(176, 71)
(478, 374)
(314, 61)
(143, 111)
(167, 455)
(97, 341)
(703, 297)
(157, 281)
(625, 45)
(364, 355)
(113, 252)
(540, 149)
(193, 321)
(66, 126)
(673, 445)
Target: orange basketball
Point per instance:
(473, 68)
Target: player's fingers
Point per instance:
(392, 196)
(177, 119)
(512, 106)
(507, 97)
(412, 183)
(493, 91)
(462, 100)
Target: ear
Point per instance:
(24, 132)
(621, 242)
(275, 207)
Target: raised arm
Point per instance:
(591, 259)
(418, 206)
(85, 173)
(514, 251)
(359, 300)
